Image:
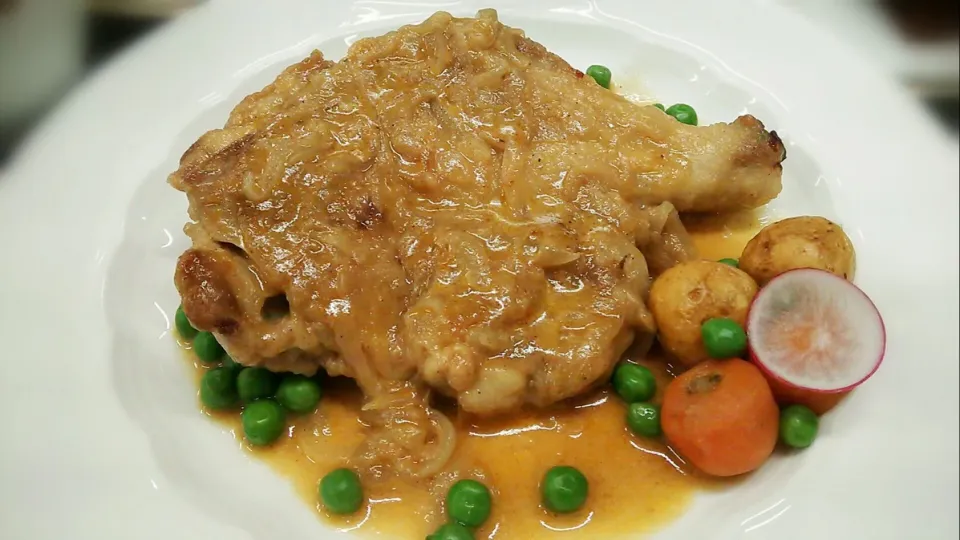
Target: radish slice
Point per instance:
(814, 330)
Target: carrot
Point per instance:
(817, 402)
(721, 416)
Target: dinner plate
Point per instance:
(101, 436)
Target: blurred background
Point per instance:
(47, 47)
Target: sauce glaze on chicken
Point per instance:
(449, 208)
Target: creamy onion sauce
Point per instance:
(636, 485)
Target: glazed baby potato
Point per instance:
(799, 242)
(688, 294)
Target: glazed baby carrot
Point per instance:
(721, 416)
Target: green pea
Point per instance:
(731, 262)
(262, 421)
(660, 106)
(230, 363)
(299, 394)
(723, 338)
(798, 426)
(341, 492)
(184, 328)
(644, 419)
(207, 348)
(218, 388)
(564, 489)
(601, 74)
(468, 503)
(451, 531)
(683, 113)
(634, 383)
(256, 382)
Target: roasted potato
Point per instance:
(799, 242)
(688, 294)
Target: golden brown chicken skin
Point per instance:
(449, 206)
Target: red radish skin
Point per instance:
(818, 402)
(811, 275)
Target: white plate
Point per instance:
(101, 436)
